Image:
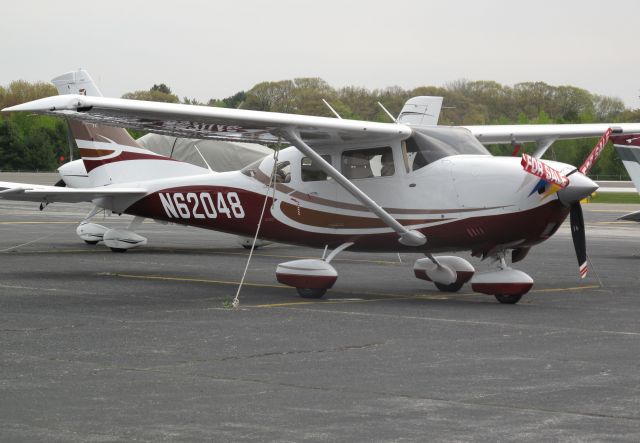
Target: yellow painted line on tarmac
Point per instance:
(573, 288)
(609, 211)
(375, 296)
(192, 280)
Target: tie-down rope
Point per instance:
(272, 179)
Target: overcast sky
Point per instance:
(213, 49)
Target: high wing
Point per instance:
(490, 134)
(213, 123)
(50, 194)
(304, 132)
(545, 135)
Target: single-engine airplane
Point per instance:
(407, 186)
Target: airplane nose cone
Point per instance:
(580, 186)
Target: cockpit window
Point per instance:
(367, 163)
(427, 145)
(310, 171)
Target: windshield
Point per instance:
(427, 145)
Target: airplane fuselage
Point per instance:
(465, 202)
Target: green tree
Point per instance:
(157, 93)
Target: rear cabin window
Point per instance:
(310, 172)
(368, 163)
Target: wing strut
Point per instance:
(407, 237)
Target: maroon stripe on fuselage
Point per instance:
(525, 227)
(90, 164)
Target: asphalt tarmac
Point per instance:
(141, 346)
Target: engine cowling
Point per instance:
(74, 174)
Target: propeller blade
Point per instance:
(597, 150)
(579, 240)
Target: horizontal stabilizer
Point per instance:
(39, 193)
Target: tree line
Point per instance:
(41, 143)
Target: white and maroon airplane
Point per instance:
(408, 186)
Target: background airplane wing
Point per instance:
(50, 194)
(496, 134)
(213, 123)
(632, 216)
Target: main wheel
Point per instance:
(91, 242)
(311, 292)
(508, 299)
(118, 249)
(249, 246)
(453, 287)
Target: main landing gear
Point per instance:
(118, 240)
(450, 273)
(310, 277)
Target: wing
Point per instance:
(545, 135)
(491, 134)
(50, 194)
(213, 123)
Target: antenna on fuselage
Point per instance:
(331, 109)
(388, 113)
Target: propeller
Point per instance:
(579, 241)
(570, 192)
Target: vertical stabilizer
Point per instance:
(423, 110)
(628, 148)
(76, 82)
(110, 155)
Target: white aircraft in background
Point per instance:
(409, 186)
(628, 148)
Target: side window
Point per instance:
(283, 172)
(310, 171)
(367, 163)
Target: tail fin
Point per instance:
(110, 155)
(422, 110)
(76, 82)
(628, 148)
